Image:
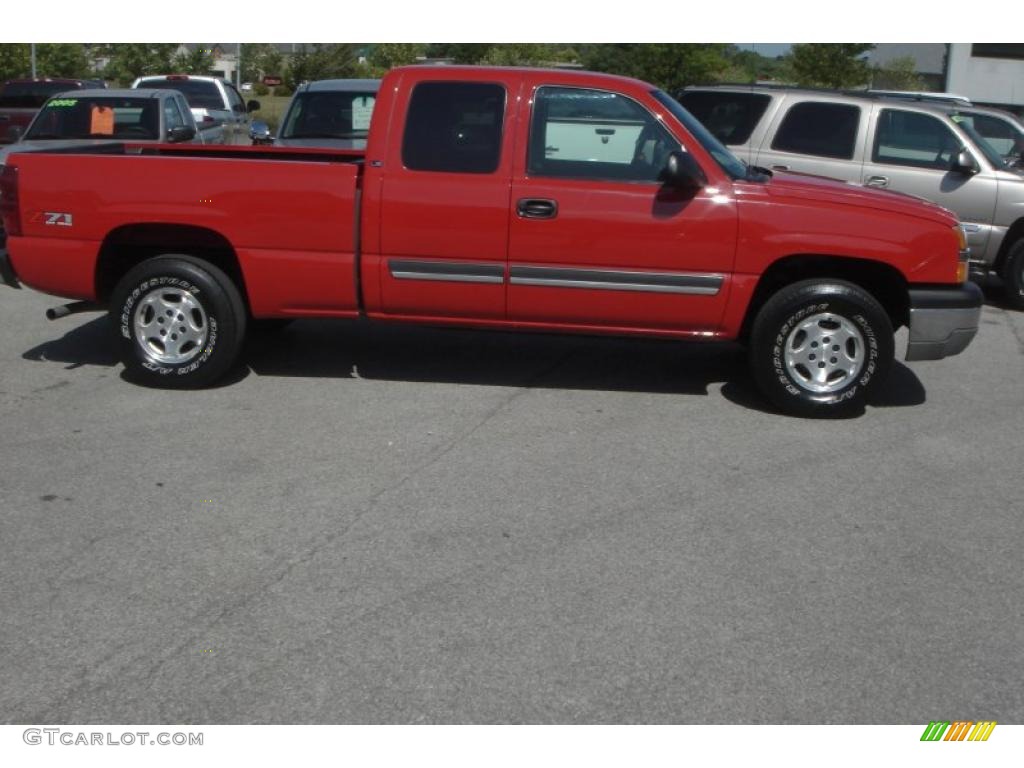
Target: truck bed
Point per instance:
(282, 211)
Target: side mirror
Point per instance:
(682, 172)
(259, 132)
(964, 163)
(181, 133)
(252, 106)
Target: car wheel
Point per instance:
(1013, 275)
(821, 347)
(180, 322)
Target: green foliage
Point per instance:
(384, 56)
(461, 53)
(130, 60)
(198, 61)
(14, 61)
(259, 89)
(830, 65)
(518, 55)
(898, 75)
(321, 62)
(62, 60)
(283, 90)
(750, 67)
(259, 59)
(671, 66)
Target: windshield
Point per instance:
(200, 94)
(991, 153)
(329, 115)
(732, 165)
(30, 95)
(97, 118)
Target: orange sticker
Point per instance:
(102, 121)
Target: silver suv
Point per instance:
(927, 149)
(218, 109)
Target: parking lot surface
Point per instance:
(385, 524)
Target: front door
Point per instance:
(595, 240)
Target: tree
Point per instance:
(830, 65)
(198, 61)
(319, 62)
(62, 60)
(259, 59)
(671, 66)
(460, 53)
(384, 56)
(898, 75)
(126, 61)
(14, 61)
(518, 55)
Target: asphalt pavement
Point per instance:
(384, 524)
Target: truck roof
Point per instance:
(481, 73)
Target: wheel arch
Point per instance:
(883, 281)
(129, 245)
(1013, 235)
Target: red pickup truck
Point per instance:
(496, 198)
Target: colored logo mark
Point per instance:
(959, 730)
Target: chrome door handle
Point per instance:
(780, 167)
(877, 181)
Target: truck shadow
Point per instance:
(359, 350)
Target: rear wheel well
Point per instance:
(885, 283)
(1013, 234)
(127, 246)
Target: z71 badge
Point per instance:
(55, 219)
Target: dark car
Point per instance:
(21, 99)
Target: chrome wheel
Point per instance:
(170, 325)
(824, 353)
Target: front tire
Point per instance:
(821, 347)
(180, 322)
(1013, 275)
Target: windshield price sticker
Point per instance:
(362, 108)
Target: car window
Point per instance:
(454, 127)
(329, 114)
(819, 128)
(592, 134)
(914, 139)
(731, 117)
(172, 116)
(234, 99)
(200, 94)
(1001, 134)
(96, 118)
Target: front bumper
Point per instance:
(7, 276)
(943, 320)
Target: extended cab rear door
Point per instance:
(595, 239)
(439, 187)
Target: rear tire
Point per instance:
(1013, 275)
(821, 347)
(180, 322)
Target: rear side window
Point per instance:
(454, 127)
(819, 128)
(914, 139)
(731, 117)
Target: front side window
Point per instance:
(1001, 134)
(172, 116)
(454, 127)
(591, 134)
(914, 139)
(821, 129)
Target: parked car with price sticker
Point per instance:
(503, 198)
(324, 113)
(21, 99)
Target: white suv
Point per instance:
(921, 148)
(218, 108)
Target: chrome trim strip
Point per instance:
(446, 271)
(617, 280)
